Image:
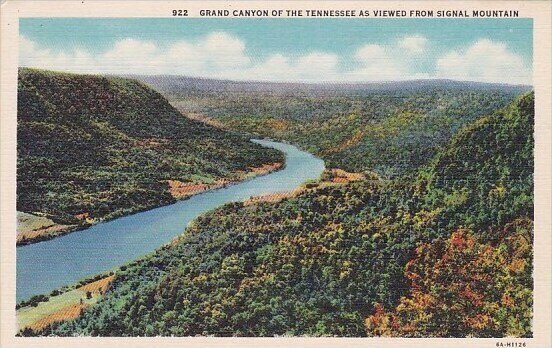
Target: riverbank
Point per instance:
(65, 304)
(61, 305)
(330, 177)
(108, 245)
(38, 227)
(33, 228)
(180, 190)
(49, 287)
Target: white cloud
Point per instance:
(486, 61)
(140, 56)
(371, 52)
(224, 50)
(398, 60)
(413, 44)
(379, 63)
(32, 55)
(322, 60)
(315, 66)
(222, 55)
(217, 55)
(215, 52)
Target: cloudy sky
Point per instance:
(485, 50)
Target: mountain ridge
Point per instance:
(174, 83)
(92, 148)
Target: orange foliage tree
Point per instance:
(463, 287)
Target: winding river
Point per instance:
(45, 266)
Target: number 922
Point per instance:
(180, 13)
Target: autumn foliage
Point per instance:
(444, 252)
(461, 287)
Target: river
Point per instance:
(49, 265)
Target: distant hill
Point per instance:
(92, 147)
(172, 84)
(389, 127)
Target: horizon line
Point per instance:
(328, 82)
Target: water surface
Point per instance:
(48, 265)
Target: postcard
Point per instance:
(285, 173)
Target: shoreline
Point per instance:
(69, 295)
(331, 177)
(248, 175)
(252, 173)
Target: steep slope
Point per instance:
(392, 132)
(92, 147)
(334, 259)
(477, 281)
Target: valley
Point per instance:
(426, 189)
(391, 128)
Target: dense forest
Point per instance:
(98, 147)
(444, 250)
(391, 128)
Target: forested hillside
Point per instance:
(391, 128)
(92, 147)
(444, 251)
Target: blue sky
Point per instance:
(488, 50)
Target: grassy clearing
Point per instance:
(28, 222)
(65, 306)
(331, 177)
(31, 227)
